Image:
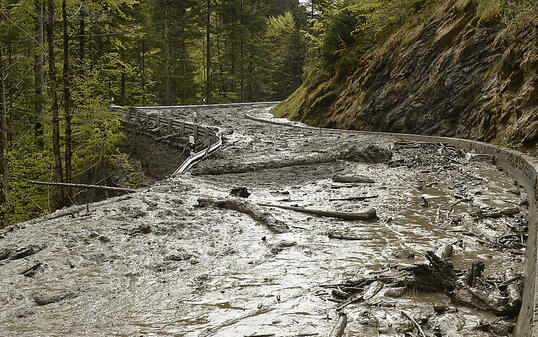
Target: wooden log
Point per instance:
(367, 215)
(347, 236)
(340, 327)
(247, 208)
(514, 295)
(83, 186)
(349, 179)
(414, 322)
(366, 197)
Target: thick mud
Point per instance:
(154, 263)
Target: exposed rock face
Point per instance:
(456, 75)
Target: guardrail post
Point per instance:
(137, 117)
(182, 129)
(169, 126)
(158, 121)
(206, 132)
(196, 132)
(147, 120)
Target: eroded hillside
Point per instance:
(462, 72)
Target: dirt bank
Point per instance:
(460, 72)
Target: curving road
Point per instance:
(155, 264)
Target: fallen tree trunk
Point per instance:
(227, 167)
(245, 207)
(347, 236)
(83, 186)
(355, 198)
(368, 215)
(368, 154)
(351, 179)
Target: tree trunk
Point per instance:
(3, 141)
(167, 52)
(82, 38)
(208, 54)
(67, 105)
(143, 70)
(10, 99)
(183, 64)
(122, 88)
(39, 74)
(56, 149)
(242, 66)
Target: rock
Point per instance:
(181, 255)
(93, 235)
(501, 328)
(450, 323)
(5, 253)
(372, 290)
(404, 254)
(369, 154)
(475, 157)
(440, 308)
(26, 251)
(281, 245)
(144, 229)
(240, 192)
(445, 251)
(44, 298)
(357, 179)
(337, 293)
(104, 239)
(395, 292)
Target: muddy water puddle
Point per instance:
(158, 265)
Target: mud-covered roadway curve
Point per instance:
(154, 264)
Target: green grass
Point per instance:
(290, 107)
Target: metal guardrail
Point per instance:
(181, 128)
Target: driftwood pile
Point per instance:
(470, 287)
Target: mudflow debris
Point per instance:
(285, 231)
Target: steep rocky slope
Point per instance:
(462, 72)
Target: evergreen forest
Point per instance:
(64, 62)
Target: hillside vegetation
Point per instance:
(63, 62)
(463, 68)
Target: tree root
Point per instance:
(464, 287)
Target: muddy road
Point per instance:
(162, 263)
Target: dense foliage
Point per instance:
(62, 62)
